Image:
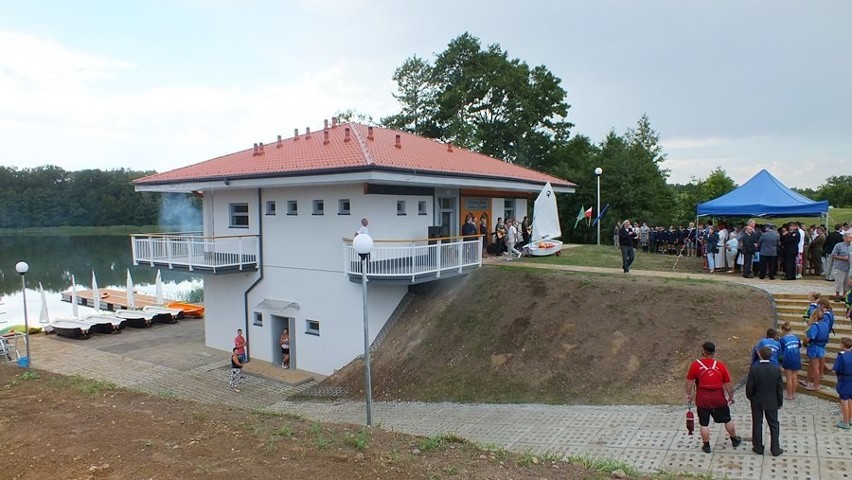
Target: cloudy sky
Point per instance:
(156, 84)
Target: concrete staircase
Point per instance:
(791, 308)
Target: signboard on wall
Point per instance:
(475, 204)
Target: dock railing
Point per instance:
(193, 251)
(398, 259)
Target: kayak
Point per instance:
(189, 309)
(20, 329)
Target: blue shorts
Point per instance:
(816, 352)
(844, 389)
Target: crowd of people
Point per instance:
(791, 250)
(507, 239)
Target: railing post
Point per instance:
(133, 249)
(461, 254)
(240, 253)
(438, 250)
(413, 266)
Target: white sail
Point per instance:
(74, 309)
(545, 224)
(131, 303)
(43, 318)
(159, 289)
(96, 293)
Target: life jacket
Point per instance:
(822, 330)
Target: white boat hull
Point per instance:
(70, 328)
(544, 248)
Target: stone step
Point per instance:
(825, 392)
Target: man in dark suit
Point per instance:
(748, 245)
(765, 390)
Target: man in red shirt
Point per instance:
(240, 345)
(708, 384)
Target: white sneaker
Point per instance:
(798, 275)
(520, 254)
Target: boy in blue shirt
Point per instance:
(770, 341)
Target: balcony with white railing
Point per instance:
(196, 253)
(415, 261)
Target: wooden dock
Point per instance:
(111, 300)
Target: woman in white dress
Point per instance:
(723, 240)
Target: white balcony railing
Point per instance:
(194, 252)
(416, 259)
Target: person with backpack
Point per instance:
(764, 388)
(708, 384)
(816, 338)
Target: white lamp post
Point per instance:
(363, 244)
(22, 268)
(598, 172)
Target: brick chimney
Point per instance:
(260, 148)
(346, 136)
(280, 142)
(370, 133)
(254, 153)
(334, 122)
(307, 133)
(450, 146)
(398, 141)
(325, 124)
(295, 134)
(325, 140)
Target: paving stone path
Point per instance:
(172, 361)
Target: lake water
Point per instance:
(54, 259)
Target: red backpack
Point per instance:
(709, 378)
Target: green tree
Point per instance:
(482, 100)
(837, 190)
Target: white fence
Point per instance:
(410, 259)
(194, 252)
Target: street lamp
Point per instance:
(363, 244)
(22, 268)
(598, 172)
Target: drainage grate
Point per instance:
(324, 392)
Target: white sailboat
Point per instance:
(135, 318)
(43, 317)
(71, 327)
(102, 318)
(545, 225)
(163, 313)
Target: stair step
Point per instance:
(828, 379)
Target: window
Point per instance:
(292, 207)
(421, 207)
(400, 207)
(319, 207)
(509, 208)
(270, 207)
(258, 319)
(239, 215)
(312, 327)
(343, 206)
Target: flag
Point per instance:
(589, 213)
(601, 214)
(579, 216)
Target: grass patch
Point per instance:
(199, 416)
(359, 440)
(607, 465)
(283, 431)
(610, 257)
(265, 413)
(439, 442)
(166, 394)
(83, 385)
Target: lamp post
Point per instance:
(22, 268)
(598, 172)
(363, 244)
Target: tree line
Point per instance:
(49, 196)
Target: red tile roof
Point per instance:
(313, 155)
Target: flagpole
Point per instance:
(598, 172)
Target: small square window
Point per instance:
(319, 207)
(400, 207)
(312, 327)
(421, 207)
(258, 319)
(239, 215)
(270, 207)
(343, 206)
(292, 207)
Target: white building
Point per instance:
(279, 219)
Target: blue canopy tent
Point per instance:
(762, 196)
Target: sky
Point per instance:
(159, 84)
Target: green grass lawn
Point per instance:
(835, 215)
(610, 257)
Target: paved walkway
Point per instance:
(172, 361)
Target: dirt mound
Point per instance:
(516, 335)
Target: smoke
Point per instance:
(180, 212)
